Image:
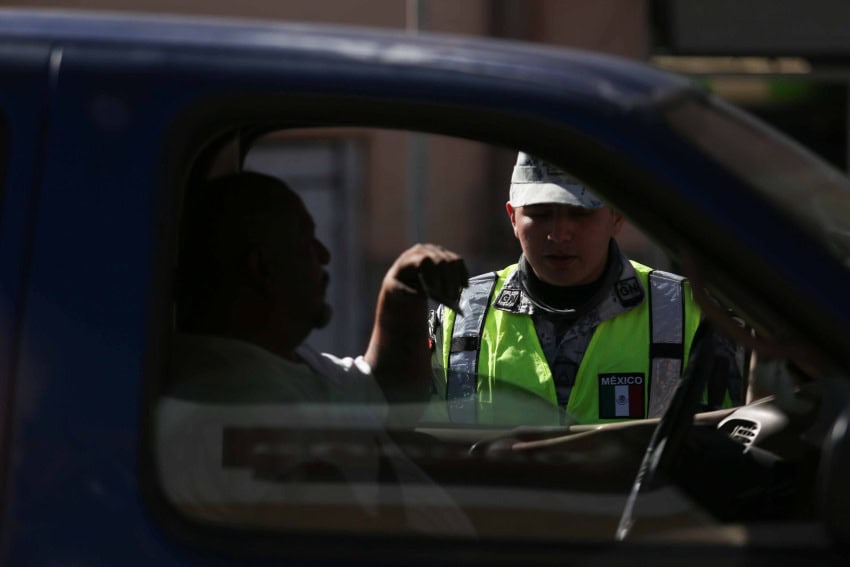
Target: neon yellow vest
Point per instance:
(515, 384)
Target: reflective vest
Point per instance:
(497, 373)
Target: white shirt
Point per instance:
(246, 437)
(228, 369)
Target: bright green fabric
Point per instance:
(515, 383)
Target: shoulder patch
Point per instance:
(508, 298)
(629, 291)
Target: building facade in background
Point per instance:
(376, 192)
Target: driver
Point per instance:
(255, 425)
(574, 332)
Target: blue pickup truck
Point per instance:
(106, 122)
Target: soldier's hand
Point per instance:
(432, 271)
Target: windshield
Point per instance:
(804, 186)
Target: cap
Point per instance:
(535, 182)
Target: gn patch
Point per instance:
(621, 395)
(629, 291)
(508, 298)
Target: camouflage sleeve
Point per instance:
(437, 410)
(435, 317)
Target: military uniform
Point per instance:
(511, 359)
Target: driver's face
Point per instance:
(301, 278)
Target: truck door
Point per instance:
(24, 97)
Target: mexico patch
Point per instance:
(621, 395)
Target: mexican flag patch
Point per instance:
(621, 395)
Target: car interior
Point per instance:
(735, 473)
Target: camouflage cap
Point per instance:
(535, 182)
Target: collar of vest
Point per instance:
(627, 292)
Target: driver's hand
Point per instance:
(429, 270)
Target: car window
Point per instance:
(246, 440)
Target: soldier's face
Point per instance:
(565, 245)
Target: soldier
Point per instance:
(574, 332)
